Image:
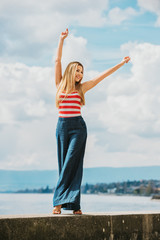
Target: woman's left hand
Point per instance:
(126, 59)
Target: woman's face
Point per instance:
(79, 73)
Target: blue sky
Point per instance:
(122, 112)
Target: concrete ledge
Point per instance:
(89, 226)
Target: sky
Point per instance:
(122, 112)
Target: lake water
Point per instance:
(42, 204)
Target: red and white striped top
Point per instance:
(69, 105)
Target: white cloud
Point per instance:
(151, 6)
(138, 152)
(26, 92)
(117, 15)
(33, 27)
(132, 102)
(28, 117)
(29, 145)
(126, 120)
(28, 112)
(122, 113)
(75, 49)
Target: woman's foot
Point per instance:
(79, 212)
(57, 209)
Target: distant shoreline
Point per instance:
(149, 188)
(99, 194)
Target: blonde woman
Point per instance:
(71, 130)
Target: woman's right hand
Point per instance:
(64, 34)
(126, 59)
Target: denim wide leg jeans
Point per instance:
(71, 135)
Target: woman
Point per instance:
(71, 131)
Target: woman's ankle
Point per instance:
(58, 206)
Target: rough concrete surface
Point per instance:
(91, 226)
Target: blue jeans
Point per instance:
(71, 135)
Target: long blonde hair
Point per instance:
(68, 83)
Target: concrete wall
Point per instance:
(91, 226)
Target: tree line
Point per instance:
(142, 188)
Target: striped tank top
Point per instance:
(69, 105)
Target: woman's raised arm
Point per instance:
(58, 65)
(92, 83)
